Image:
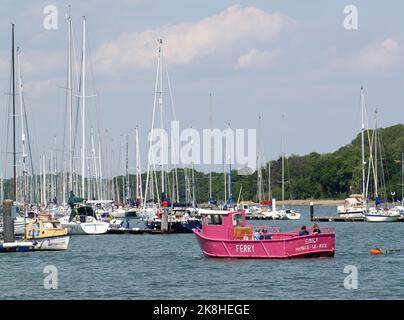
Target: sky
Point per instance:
(265, 58)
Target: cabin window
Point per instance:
(214, 219)
(237, 220)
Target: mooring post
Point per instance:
(311, 211)
(164, 221)
(8, 223)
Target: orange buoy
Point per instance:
(375, 251)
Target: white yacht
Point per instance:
(84, 221)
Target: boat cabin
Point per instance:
(37, 229)
(224, 224)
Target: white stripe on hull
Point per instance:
(52, 243)
(381, 218)
(87, 227)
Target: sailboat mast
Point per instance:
(230, 184)
(149, 157)
(24, 169)
(83, 92)
(137, 165)
(402, 178)
(128, 195)
(283, 165)
(363, 147)
(70, 102)
(376, 143)
(13, 99)
(161, 114)
(269, 180)
(211, 147)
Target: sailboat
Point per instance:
(400, 207)
(379, 213)
(285, 214)
(82, 219)
(355, 205)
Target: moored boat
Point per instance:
(84, 221)
(383, 215)
(224, 234)
(46, 235)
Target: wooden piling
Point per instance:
(311, 211)
(8, 223)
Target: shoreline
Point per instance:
(316, 202)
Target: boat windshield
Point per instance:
(237, 220)
(214, 219)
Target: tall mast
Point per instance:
(100, 167)
(283, 165)
(224, 174)
(376, 142)
(139, 192)
(363, 147)
(161, 114)
(13, 94)
(402, 178)
(128, 195)
(149, 156)
(269, 180)
(211, 147)
(70, 102)
(230, 200)
(24, 169)
(83, 92)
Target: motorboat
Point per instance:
(84, 221)
(225, 234)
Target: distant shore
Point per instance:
(316, 202)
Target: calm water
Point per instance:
(173, 267)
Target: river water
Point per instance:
(173, 267)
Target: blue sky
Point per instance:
(256, 57)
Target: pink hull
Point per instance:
(281, 246)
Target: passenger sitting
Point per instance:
(256, 235)
(261, 235)
(303, 231)
(267, 236)
(316, 229)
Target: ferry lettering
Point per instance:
(181, 311)
(302, 248)
(244, 248)
(322, 245)
(311, 240)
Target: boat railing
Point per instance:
(322, 229)
(247, 232)
(266, 229)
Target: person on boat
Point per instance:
(316, 229)
(262, 234)
(256, 235)
(303, 231)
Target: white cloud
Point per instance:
(376, 57)
(381, 55)
(258, 59)
(188, 41)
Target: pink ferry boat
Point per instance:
(224, 234)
